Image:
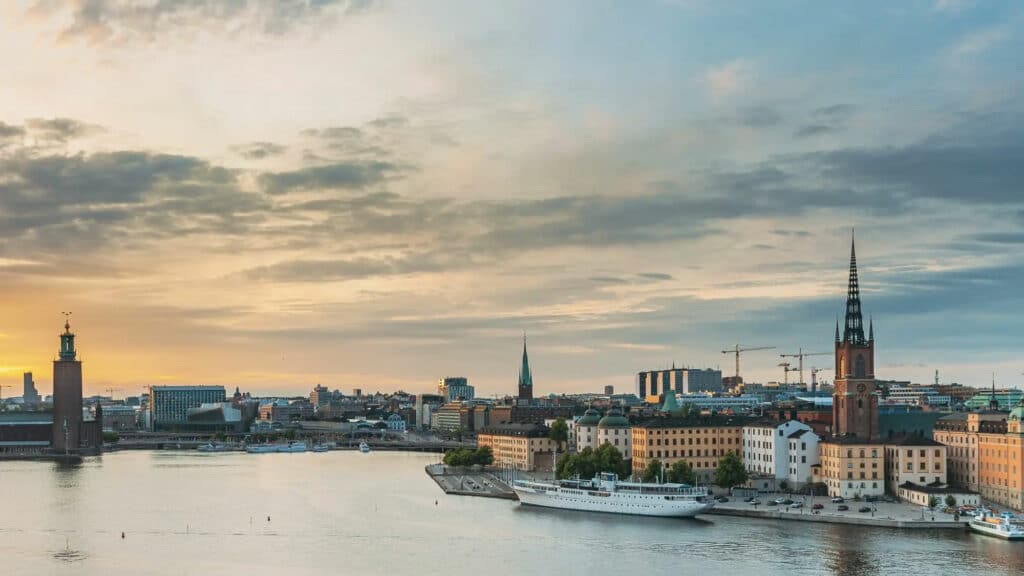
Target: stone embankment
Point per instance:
(882, 515)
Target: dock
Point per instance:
(883, 515)
(469, 482)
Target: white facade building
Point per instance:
(766, 447)
(803, 454)
(586, 430)
(615, 429)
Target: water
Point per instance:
(347, 513)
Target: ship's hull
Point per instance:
(614, 503)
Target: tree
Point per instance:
(609, 459)
(933, 501)
(652, 473)
(111, 437)
(484, 456)
(680, 472)
(730, 471)
(560, 433)
(950, 500)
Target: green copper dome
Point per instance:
(614, 419)
(1017, 413)
(590, 418)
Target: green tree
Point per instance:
(730, 471)
(483, 456)
(681, 473)
(111, 437)
(950, 500)
(609, 459)
(560, 433)
(933, 501)
(652, 473)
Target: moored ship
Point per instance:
(1003, 526)
(605, 493)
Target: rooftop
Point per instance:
(693, 422)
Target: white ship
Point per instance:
(1004, 526)
(605, 493)
(364, 447)
(261, 448)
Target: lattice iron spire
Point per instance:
(854, 332)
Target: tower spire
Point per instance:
(837, 329)
(871, 329)
(854, 332)
(525, 377)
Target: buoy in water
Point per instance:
(122, 535)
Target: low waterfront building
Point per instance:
(118, 418)
(914, 460)
(215, 417)
(922, 495)
(520, 446)
(851, 466)
(1001, 460)
(282, 411)
(452, 417)
(396, 423)
(701, 441)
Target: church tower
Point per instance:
(67, 396)
(855, 401)
(525, 377)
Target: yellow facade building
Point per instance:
(851, 467)
(520, 446)
(700, 441)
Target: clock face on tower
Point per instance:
(862, 387)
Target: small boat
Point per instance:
(1004, 526)
(213, 447)
(364, 447)
(262, 448)
(321, 448)
(292, 447)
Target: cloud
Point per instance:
(260, 150)
(98, 21)
(810, 130)
(351, 175)
(759, 116)
(655, 275)
(952, 6)
(8, 131)
(979, 41)
(725, 79)
(59, 130)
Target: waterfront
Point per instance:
(345, 512)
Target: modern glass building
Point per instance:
(169, 405)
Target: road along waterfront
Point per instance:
(379, 513)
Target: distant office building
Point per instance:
(679, 381)
(117, 418)
(215, 417)
(168, 406)
(525, 377)
(320, 395)
(735, 403)
(609, 390)
(426, 405)
(455, 388)
(29, 395)
(282, 411)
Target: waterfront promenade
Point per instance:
(882, 514)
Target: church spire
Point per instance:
(837, 329)
(854, 332)
(525, 378)
(871, 330)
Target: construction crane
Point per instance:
(111, 391)
(737, 350)
(801, 355)
(786, 370)
(814, 377)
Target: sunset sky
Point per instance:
(377, 194)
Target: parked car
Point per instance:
(817, 507)
(888, 499)
(787, 502)
(838, 500)
(722, 499)
(842, 507)
(755, 502)
(797, 505)
(864, 509)
(779, 500)
(773, 503)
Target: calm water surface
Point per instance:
(347, 513)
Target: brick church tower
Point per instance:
(855, 400)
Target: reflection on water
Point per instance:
(376, 514)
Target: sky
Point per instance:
(377, 194)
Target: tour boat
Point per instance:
(364, 447)
(1004, 526)
(262, 448)
(321, 448)
(605, 493)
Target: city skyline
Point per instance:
(373, 194)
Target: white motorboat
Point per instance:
(1004, 526)
(364, 447)
(605, 493)
(321, 448)
(292, 447)
(262, 448)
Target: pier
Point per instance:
(469, 482)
